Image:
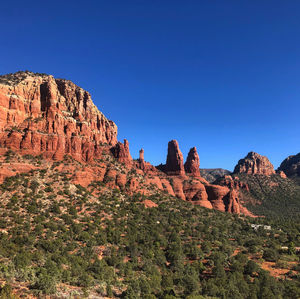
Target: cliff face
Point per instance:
(254, 163)
(53, 117)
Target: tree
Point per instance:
(292, 249)
(109, 291)
(45, 283)
(251, 267)
(270, 255)
(6, 292)
(218, 270)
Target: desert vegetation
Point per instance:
(272, 195)
(61, 239)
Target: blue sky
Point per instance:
(219, 75)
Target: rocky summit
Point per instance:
(254, 163)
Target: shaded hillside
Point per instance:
(271, 195)
(212, 174)
(291, 167)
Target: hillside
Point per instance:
(60, 238)
(212, 174)
(268, 195)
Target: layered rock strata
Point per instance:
(53, 117)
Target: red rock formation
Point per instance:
(224, 199)
(177, 185)
(195, 191)
(233, 183)
(216, 195)
(121, 180)
(201, 198)
(149, 203)
(141, 155)
(167, 186)
(254, 163)
(232, 204)
(53, 117)
(174, 164)
(192, 163)
(142, 164)
(86, 175)
(121, 152)
(11, 169)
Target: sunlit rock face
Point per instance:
(43, 115)
(254, 163)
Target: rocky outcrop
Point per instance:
(141, 155)
(254, 163)
(233, 183)
(43, 115)
(291, 166)
(192, 163)
(142, 164)
(216, 195)
(11, 169)
(174, 164)
(196, 189)
(223, 199)
(281, 174)
(195, 192)
(232, 202)
(121, 152)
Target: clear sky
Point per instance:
(219, 75)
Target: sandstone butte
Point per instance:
(254, 163)
(41, 115)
